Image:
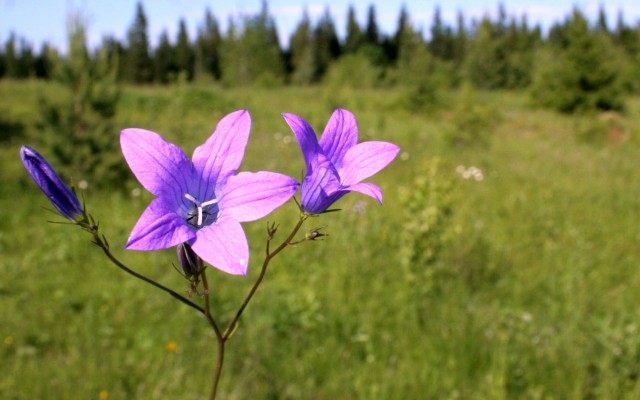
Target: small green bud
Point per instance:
(314, 234)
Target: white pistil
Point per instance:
(200, 205)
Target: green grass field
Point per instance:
(533, 294)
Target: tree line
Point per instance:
(574, 60)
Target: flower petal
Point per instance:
(340, 134)
(370, 189)
(365, 160)
(305, 135)
(159, 227)
(320, 186)
(224, 246)
(249, 196)
(161, 167)
(221, 155)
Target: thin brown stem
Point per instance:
(216, 330)
(268, 257)
(105, 248)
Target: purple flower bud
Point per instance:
(188, 260)
(59, 194)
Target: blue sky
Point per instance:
(44, 20)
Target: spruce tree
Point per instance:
(460, 41)
(441, 43)
(43, 62)
(12, 65)
(354, 37)
(415, 69)
(208, 46)
(2, 63)
(78, 127)
(486, 64)
(372, 33)
(184, 54)
(326, 46)
(400, 36)
(252, 51)
(580, 73)
(164, 65)
(26, 60)
(300, 48)
(138, 66)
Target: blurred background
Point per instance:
(503, 263)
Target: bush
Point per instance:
(581, 74)
(77, 126)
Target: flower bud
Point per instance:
(59, 194)
(314, 234)
(188, 260)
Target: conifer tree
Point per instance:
(486, 64)
(441, 43)
(300, 48)
(372, 33)
(184, 54)
(2, 63)
(603, 27)
(43, 63)
(354, 37)
(461, 39)
(138, 66)
(115, 53)
(400, 36)
(580, 74)
(26, 60)
(79, 130)
(164, 66)
(415, 68)
(208, 46)
(252, 51)
(326, 46)
(12, 66)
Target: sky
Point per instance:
(42, 21)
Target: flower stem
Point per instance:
(100, 242)
(222, 338)
(216, 330)
(268, 257)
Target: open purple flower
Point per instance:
(202, 202)
(59, 194)
(337, 164)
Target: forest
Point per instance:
(578, 65)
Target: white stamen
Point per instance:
(208, 203)
(190, 197)
(200, 205)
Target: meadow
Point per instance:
(516, 279)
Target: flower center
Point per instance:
(202, 211)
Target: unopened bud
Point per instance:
(271, 230)
(59, 194)
(314, 234)
(188, 260)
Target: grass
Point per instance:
(533, 295)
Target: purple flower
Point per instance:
(202, 202)
(337, 164)
(59, 194)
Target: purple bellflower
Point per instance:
(59, 194)
(202, 202)
(337, 164)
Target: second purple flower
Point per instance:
(337, 164)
